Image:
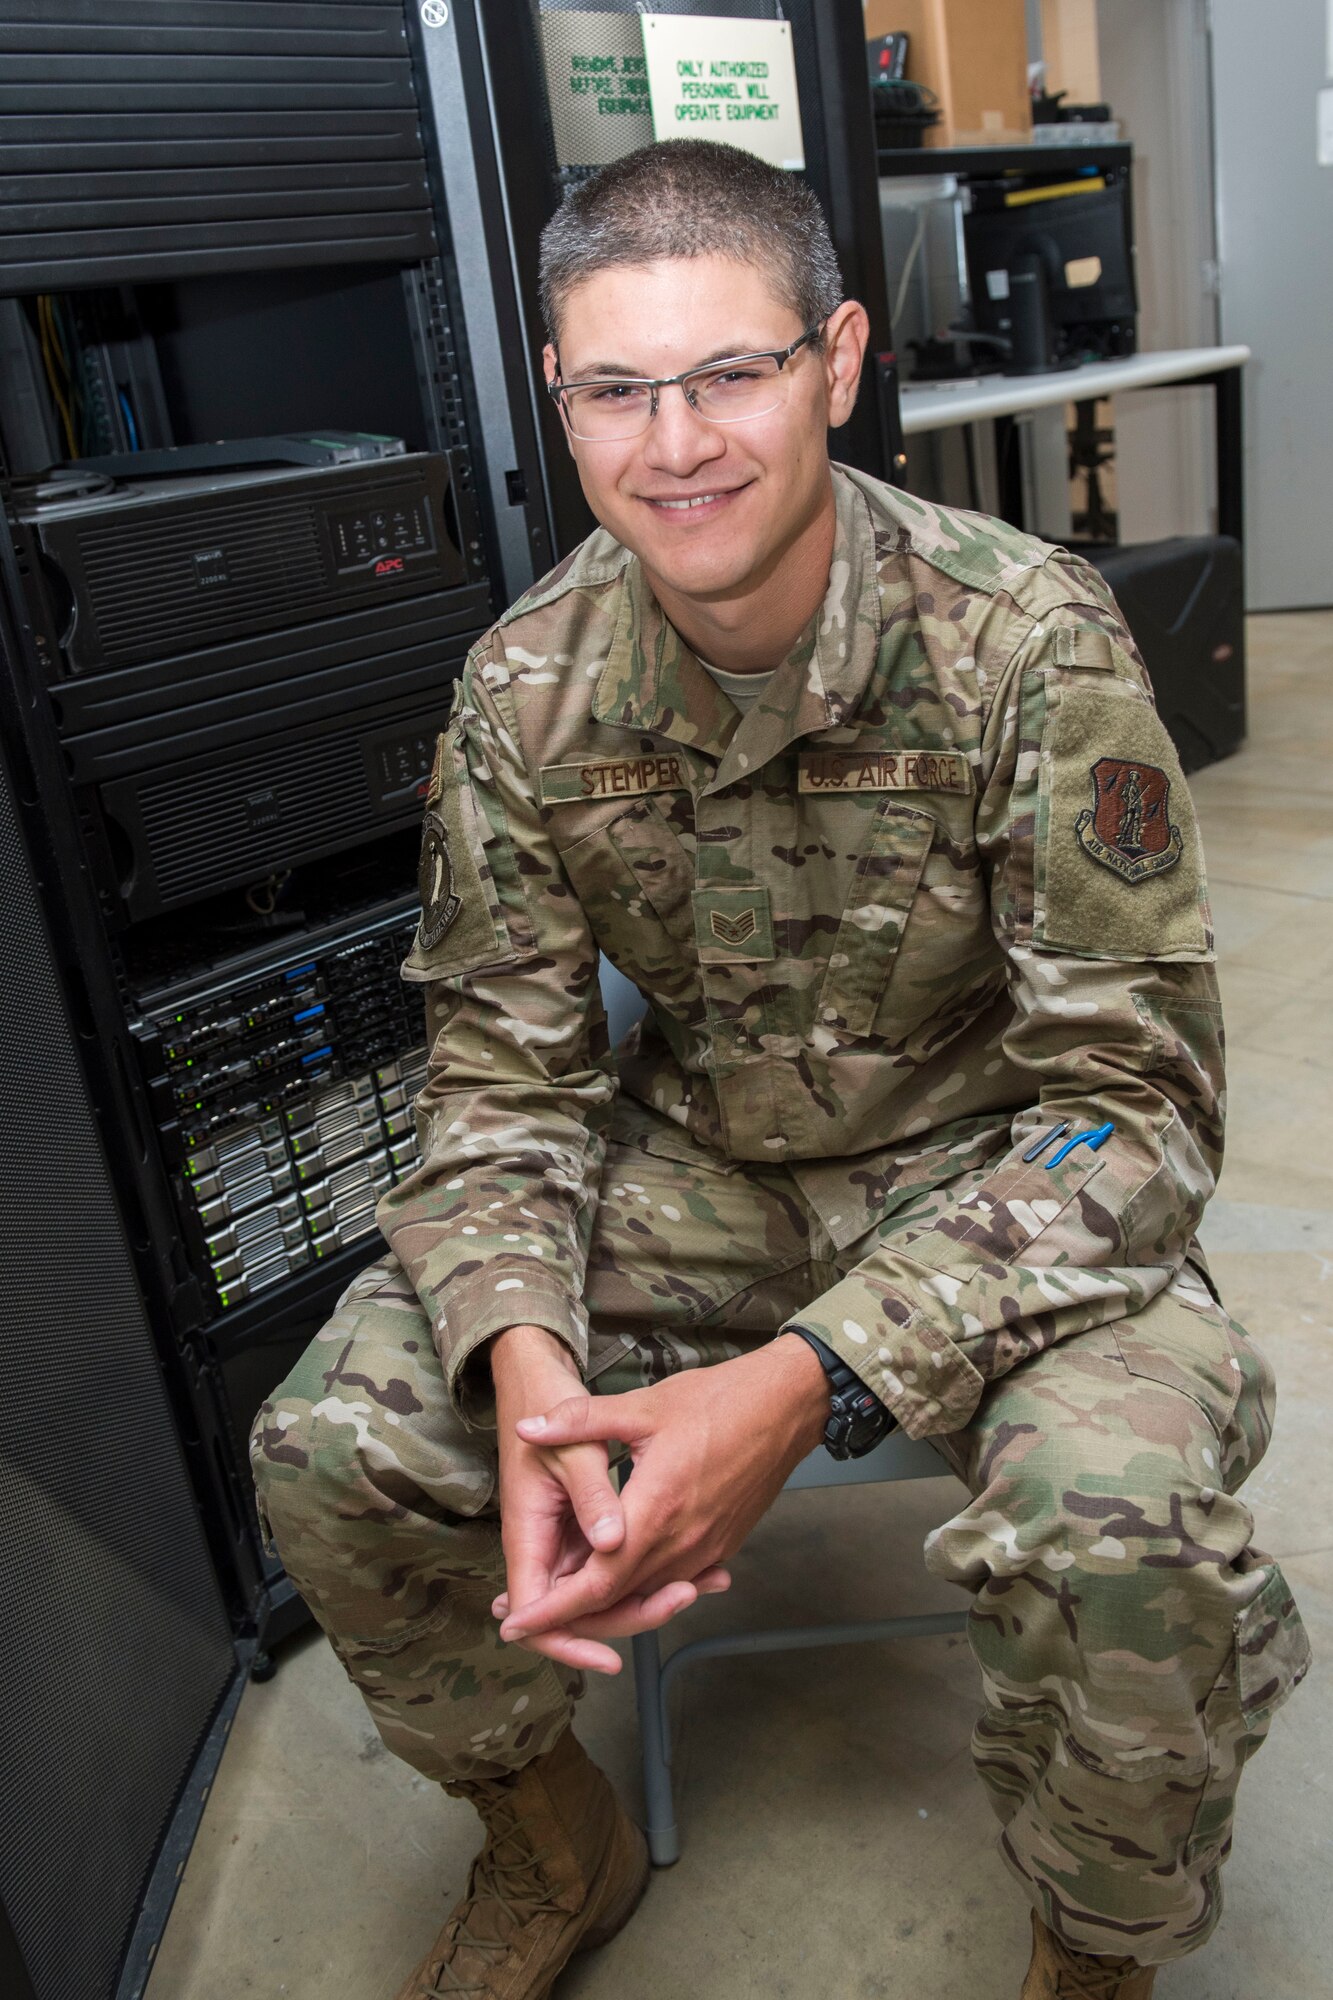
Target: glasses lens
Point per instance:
(729, 395)
(608, 409)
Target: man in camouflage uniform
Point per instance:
(933, 894)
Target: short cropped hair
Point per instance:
(692, 198)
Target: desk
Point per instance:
(935, 406)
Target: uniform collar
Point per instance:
(653, 681)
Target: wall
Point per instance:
(1069, 49)
(1153, 57)
(1275, 211)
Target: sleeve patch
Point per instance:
(1118, 862)
(1128, 827)
(458, 930)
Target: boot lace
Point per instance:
(515, 1890)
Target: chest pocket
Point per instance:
(633, 877)
(884, 887)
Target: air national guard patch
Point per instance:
(435, 883)
(1128, 828)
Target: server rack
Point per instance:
(225, 220)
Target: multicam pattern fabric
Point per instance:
(858, 980)
(1133, 1646)
(879, 961)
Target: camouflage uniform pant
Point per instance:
(1132, 1643)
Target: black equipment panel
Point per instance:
(154, 138)
(156, 567)
(283, 1104)
(248, 672)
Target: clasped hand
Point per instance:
(711, 1449)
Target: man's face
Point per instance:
(762, 483)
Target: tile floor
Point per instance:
(835, 1839)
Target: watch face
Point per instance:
(853, 1428)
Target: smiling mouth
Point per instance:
(693, 501)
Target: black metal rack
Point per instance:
(227, 219)
(993, 162)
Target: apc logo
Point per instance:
(389, 566)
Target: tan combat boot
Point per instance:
(562, 1869)
(1059, 1973)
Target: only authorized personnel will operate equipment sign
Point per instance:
(732, 81)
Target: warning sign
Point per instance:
(597, 86)
(731, 81)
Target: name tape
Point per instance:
(884, 771)
(624, 777)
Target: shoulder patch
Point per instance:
(435, 883)
(1118, 871)
(1128, 827)
(461, 925)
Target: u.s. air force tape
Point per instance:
(884, 771)
(624, 777)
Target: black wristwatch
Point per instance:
(857, 1420)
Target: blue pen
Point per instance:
(1094, 1140)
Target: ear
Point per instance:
(846, 336)
(551, 368)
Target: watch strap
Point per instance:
(839, 1374)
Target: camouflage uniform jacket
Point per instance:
(937, 891)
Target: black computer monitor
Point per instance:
(1080, 245)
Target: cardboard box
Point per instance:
(974, 55)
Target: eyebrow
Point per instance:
(731, 353)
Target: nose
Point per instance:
(679, 440)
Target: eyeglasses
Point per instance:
(733, 391)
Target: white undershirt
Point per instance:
(743, 689)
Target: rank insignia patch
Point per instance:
(732, 930)
(1128, 827)
(733, 925)
(435, 883)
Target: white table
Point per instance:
(935, 406)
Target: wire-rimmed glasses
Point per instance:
(608, 409)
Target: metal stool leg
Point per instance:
(663, 1838)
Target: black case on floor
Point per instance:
(1183, 600)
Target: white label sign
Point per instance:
(730, 81)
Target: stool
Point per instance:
(897, 1457)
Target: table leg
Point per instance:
(1228, 387)
(1009, 471)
